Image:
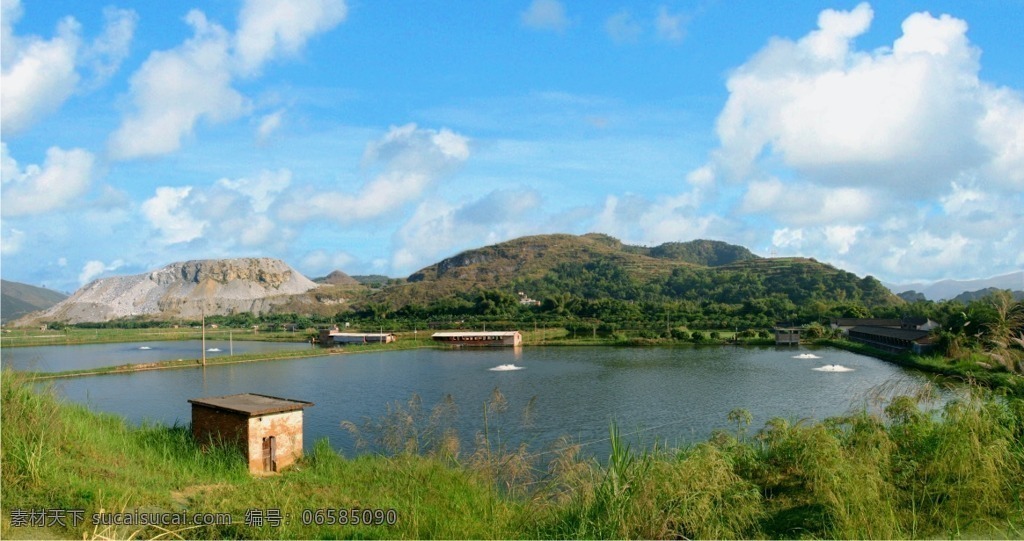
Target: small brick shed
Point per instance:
(267, 428)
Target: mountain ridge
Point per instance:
(949, 289)
(18, 299)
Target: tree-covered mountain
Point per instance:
(596, 276)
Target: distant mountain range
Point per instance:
(949, 289)
(592, 266)
(17, 299)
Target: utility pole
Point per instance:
(203, 322)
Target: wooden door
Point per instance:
(269, 453)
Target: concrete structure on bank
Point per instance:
(485, 338)
(268, 429)
(787, 336)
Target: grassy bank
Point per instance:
(902, 475)
(967, 370)
(23, 337)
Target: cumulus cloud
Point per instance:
(176, 89)
(438, 229)
(168, 214)
(545, 15)
(899, 160)
(407, 162)
(94, 268)
(38, 74)
(910, 116)
(637, 219)
(64, 176)
(229, 213)
(271, 28)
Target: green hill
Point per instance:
(17, 299)
(709, 275)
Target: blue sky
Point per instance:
(380, 137)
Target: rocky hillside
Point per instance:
(185, 290)
(17, 299)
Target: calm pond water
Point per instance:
(674, 395)
(60, 358)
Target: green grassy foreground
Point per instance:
(906, 474)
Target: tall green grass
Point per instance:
(909, 472)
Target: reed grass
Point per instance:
(905, 472)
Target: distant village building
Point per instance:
(844, 324)
(484, 338)
(268, 429)
(524, 300)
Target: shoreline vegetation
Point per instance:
(909, 472)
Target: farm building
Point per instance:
(894, 340)
(787, 335)
(485, 338)
(333, 337)
(267, 429)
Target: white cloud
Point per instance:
(438, 229)
(807, 204)
(262, 190)
(670, 27)
(38, 75)
(841, 237)
(908, 117)
(410, 161)
(11, 241)
(897, 161)
(106, 53)
(174, 89)
(623, 27)
(168, 213)
(322, 262)
(271, 28)
(94, 268)
(636, 219)
(545, 15)
(64, 176)
(1001, 130)
(788, 238)
(228, 214)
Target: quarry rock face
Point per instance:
(185, 290)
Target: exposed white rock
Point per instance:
(185, 290)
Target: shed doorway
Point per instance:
(270, 454)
